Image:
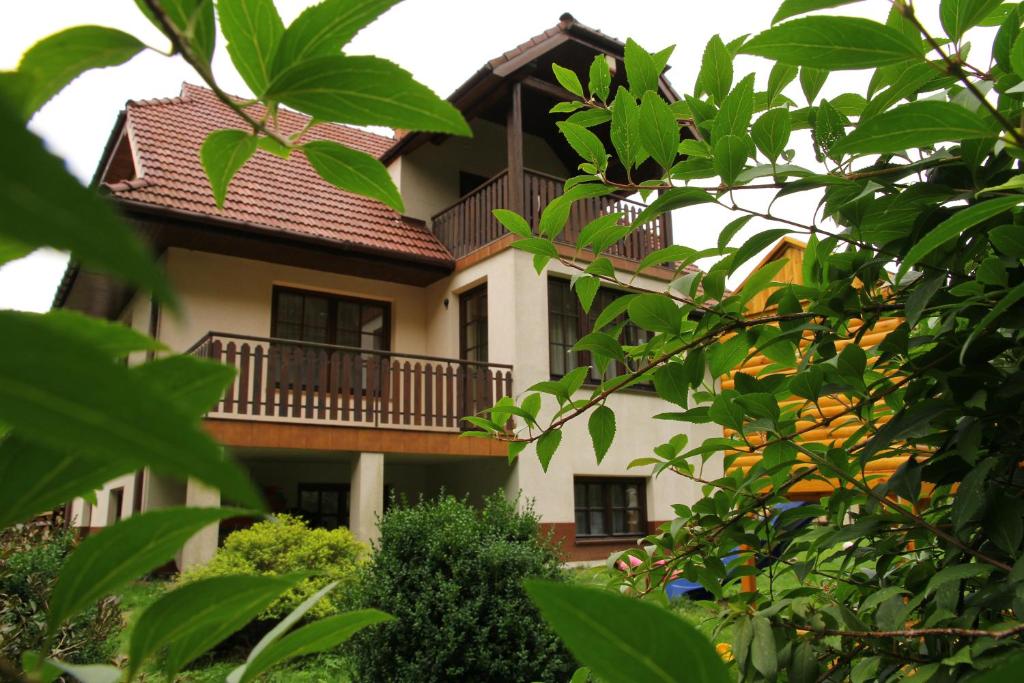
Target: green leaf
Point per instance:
(58, 59)
(658, 647)
(812, 81)
(1006, 671)
(194, 21)
(585, 143)
(35, 479)
(191, 619)
(600, 78)
(12, 251)
(319, 636)
(568, 80)
(223, 153)
(725, 356)
(957, 16)
(536, 245)
(736, 111)
(1014, 183)
(195, 385)
(613, 310)
(45, 206)
(324, 29)
(715, 75)
(730, 230)
(953, 226)
(760, 279)
(354, 171)
(364, 91)
(104, 562)
(641, 70)
(669, 254)
(114, 339)
(771, 133)
(655, 312)
(73, 397)
(763, 653)
(601, 344)
(907, 83)
(852, 362)
(586, 289)
(659, 132)
(588, 118)
(916, 124)
(780, 76)
(672, 382)
(753, 246)
(1005, 38)
(1009, 239)
(547, 444)
(1017, 56)
(253, 30)
(730, 157)
(835, 43)
(791, 8)
(1002, 305)
(513, 222)
(670, 200)
(602, 430)
(625, 128)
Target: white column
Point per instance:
(366, 496)
(200, 548)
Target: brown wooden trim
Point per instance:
(656, 272)
(514, 140)
(332, 438)
(485, 252)
(556, 92)
(563, 534)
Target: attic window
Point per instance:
(121, 166)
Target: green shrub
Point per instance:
(285, 545)
(452, 576)
(31, 558)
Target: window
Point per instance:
(473, 324)
(568, 323)
(609, 507)
(324, 506)
(326, 319)
(115, 502)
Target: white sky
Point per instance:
(442, 42)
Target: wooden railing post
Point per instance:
(514, 138)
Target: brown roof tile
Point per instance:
(268, 192)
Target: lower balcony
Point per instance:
(301, 382)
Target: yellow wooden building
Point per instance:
(841, 427)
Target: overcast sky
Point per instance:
(442, 42)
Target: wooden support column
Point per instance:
(514, 134)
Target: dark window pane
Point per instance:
(618, 522)
(580, 493)
(289, 307)
(594, 496)
(581, 523)
(309, 501)
(597, 523)
(617, 496)
(329, 522)
(633, 522)
(329, 501)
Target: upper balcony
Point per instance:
(468, 224)
(283, 380)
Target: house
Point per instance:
(362, 336)
(841, 426)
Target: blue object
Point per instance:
(682, 588)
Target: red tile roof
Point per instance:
(268, 192)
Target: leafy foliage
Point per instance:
(452, 576)
(901, 345)
(286, 545)
(31, 558)
(74, 414)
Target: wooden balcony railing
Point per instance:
(468, 224)
(285, 380)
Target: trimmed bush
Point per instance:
(452, 576)
(31, 558)
(285, 545)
